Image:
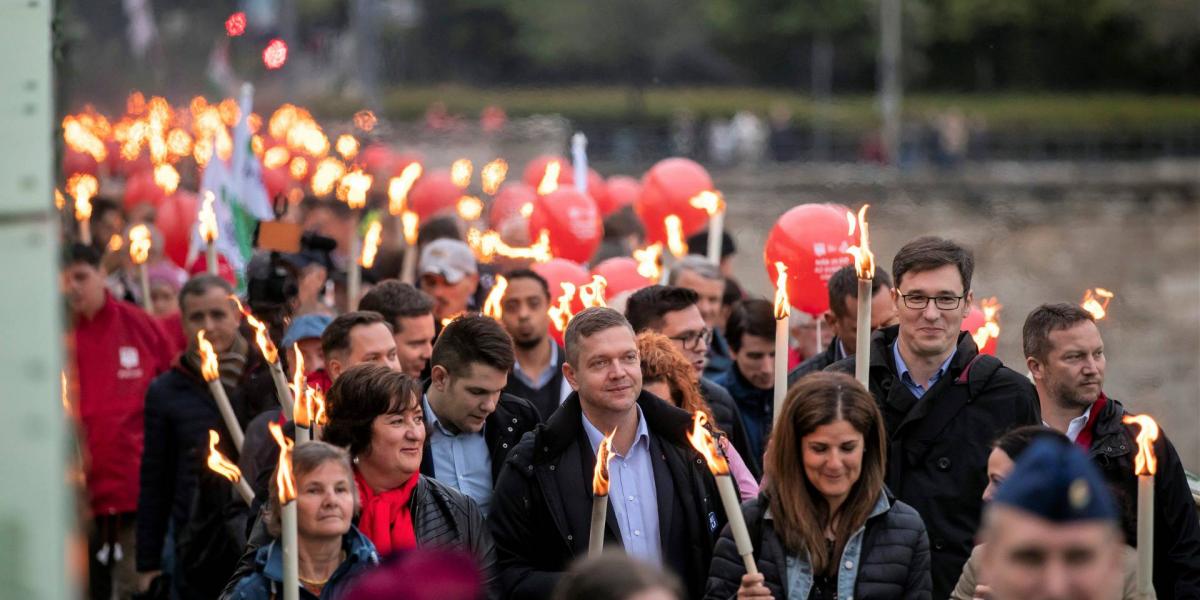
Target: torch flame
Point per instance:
(276, 157)
(492, 175)
(488, 244)
(59, 200)
(209, 231)
(283, 472)
(549, 181)
(365, 120)
(675, 241)
(469, 208)
(410, 222)
(561, 314)
(1096, 302)
(302, 408)
(990, 329)
(209, 367)
(527, 210)
(648, 261)
(298, 168)
(864, 259)
(371, 243)
(703, 441)
(261, 337)
(217, 461)
(318, 400)
(1145, 463)
(115, 243)
(592, 294)
(352, 188)
(492, 306)
(460, 172)
(398, 188)
(347, 146)
(783, 308)
(709, 202)
(139, 244)
(299, 381)
(326, 174)
(82, 187)
(82, 138)
(600, 476)
(166, 177)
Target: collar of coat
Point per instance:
(358, 549)
(566, 425)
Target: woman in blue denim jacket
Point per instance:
(825, 526)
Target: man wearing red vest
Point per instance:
(118, 350)
(1065, 355)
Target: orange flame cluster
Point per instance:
(166, 177)
(469, 208)
(410, 222)
(371, 242)
(139, 244)
(864, 259)
(209, 231)
(460, 172)
(990, 329)
(549, 182)
(648, 259)
(708, 201)
(1096, 301)
(86, 132)
(283, 471)
(326, 175)
(592, 294)
(492, 306)
(560, 313)
(492, 175)
(347, 146)
(353, 187)
(1145, 463)
(703, 441)
(487, 245)
(210, 369)
(276, 156)
(261, 336)
(675, 242)
(83, 187)
(603, 455)
(783, 308)
(115, 243)
(399, 187)
(217, 461)
(365, 120)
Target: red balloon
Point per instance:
(975, 319)
(224, 269)
(377, 159)
(556, 272)
(508, 202)
(276, 181)
(127, 168)
(596, 187)
(811, 239)
(403, 159)
(433, 193)
(667, 189)
(536, 169)
(622, 275)
(622, 191)
(140, 188)
(174, 218)
(78, 162)
(572, 220)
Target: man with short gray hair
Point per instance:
(663, 499)
(696, 273)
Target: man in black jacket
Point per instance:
(842, 318)
(664, 507)
(471, 423)
(675, 313)
(943, 403)
(1065, 355)
(537, 373)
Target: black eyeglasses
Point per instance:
(690, 340)
(919, 302)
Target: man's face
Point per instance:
(687, 330)
(607, 372)
(756, 360)
(450, 299)
(372, 342)
(310, 350)
(110, 224)
(83, 286)
(414, 343)
(845, 327)
(931, 331)
(215, 313)
(1072, 374)
(1029, 558)
(710, 291)
(525, 318)
(466, 401)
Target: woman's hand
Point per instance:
(752, 587)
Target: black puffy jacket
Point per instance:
(893, 560)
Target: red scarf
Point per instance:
(1084, 439)
(386, 516)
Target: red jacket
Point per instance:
(117, 353)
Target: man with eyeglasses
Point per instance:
(942, 401)
(675, 313)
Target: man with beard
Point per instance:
(1065, 355)
(537, 375)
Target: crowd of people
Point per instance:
(457, 453)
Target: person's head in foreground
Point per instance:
(1051, 531)
(615, 576)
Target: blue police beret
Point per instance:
(1056, 481)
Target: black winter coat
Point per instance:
(541, 511)
(729, 420)
(1176, 528)
(501, 432)
(938, 445)
(817, 362)
(442, 517)
(893, 560)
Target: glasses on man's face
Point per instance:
(692, 340)
(919, 302)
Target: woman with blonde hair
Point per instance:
(825, 526)
(666, 373)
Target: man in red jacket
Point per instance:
(118, 350)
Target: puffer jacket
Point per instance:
(442, 517)
(886, 559)
(266, 582)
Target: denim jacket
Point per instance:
(799, 570)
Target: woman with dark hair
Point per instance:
(668, 375)
(825, 526)
(331, 551)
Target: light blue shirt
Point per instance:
(632, 494)
(460, 460)
(547, 373)
(918, 389)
